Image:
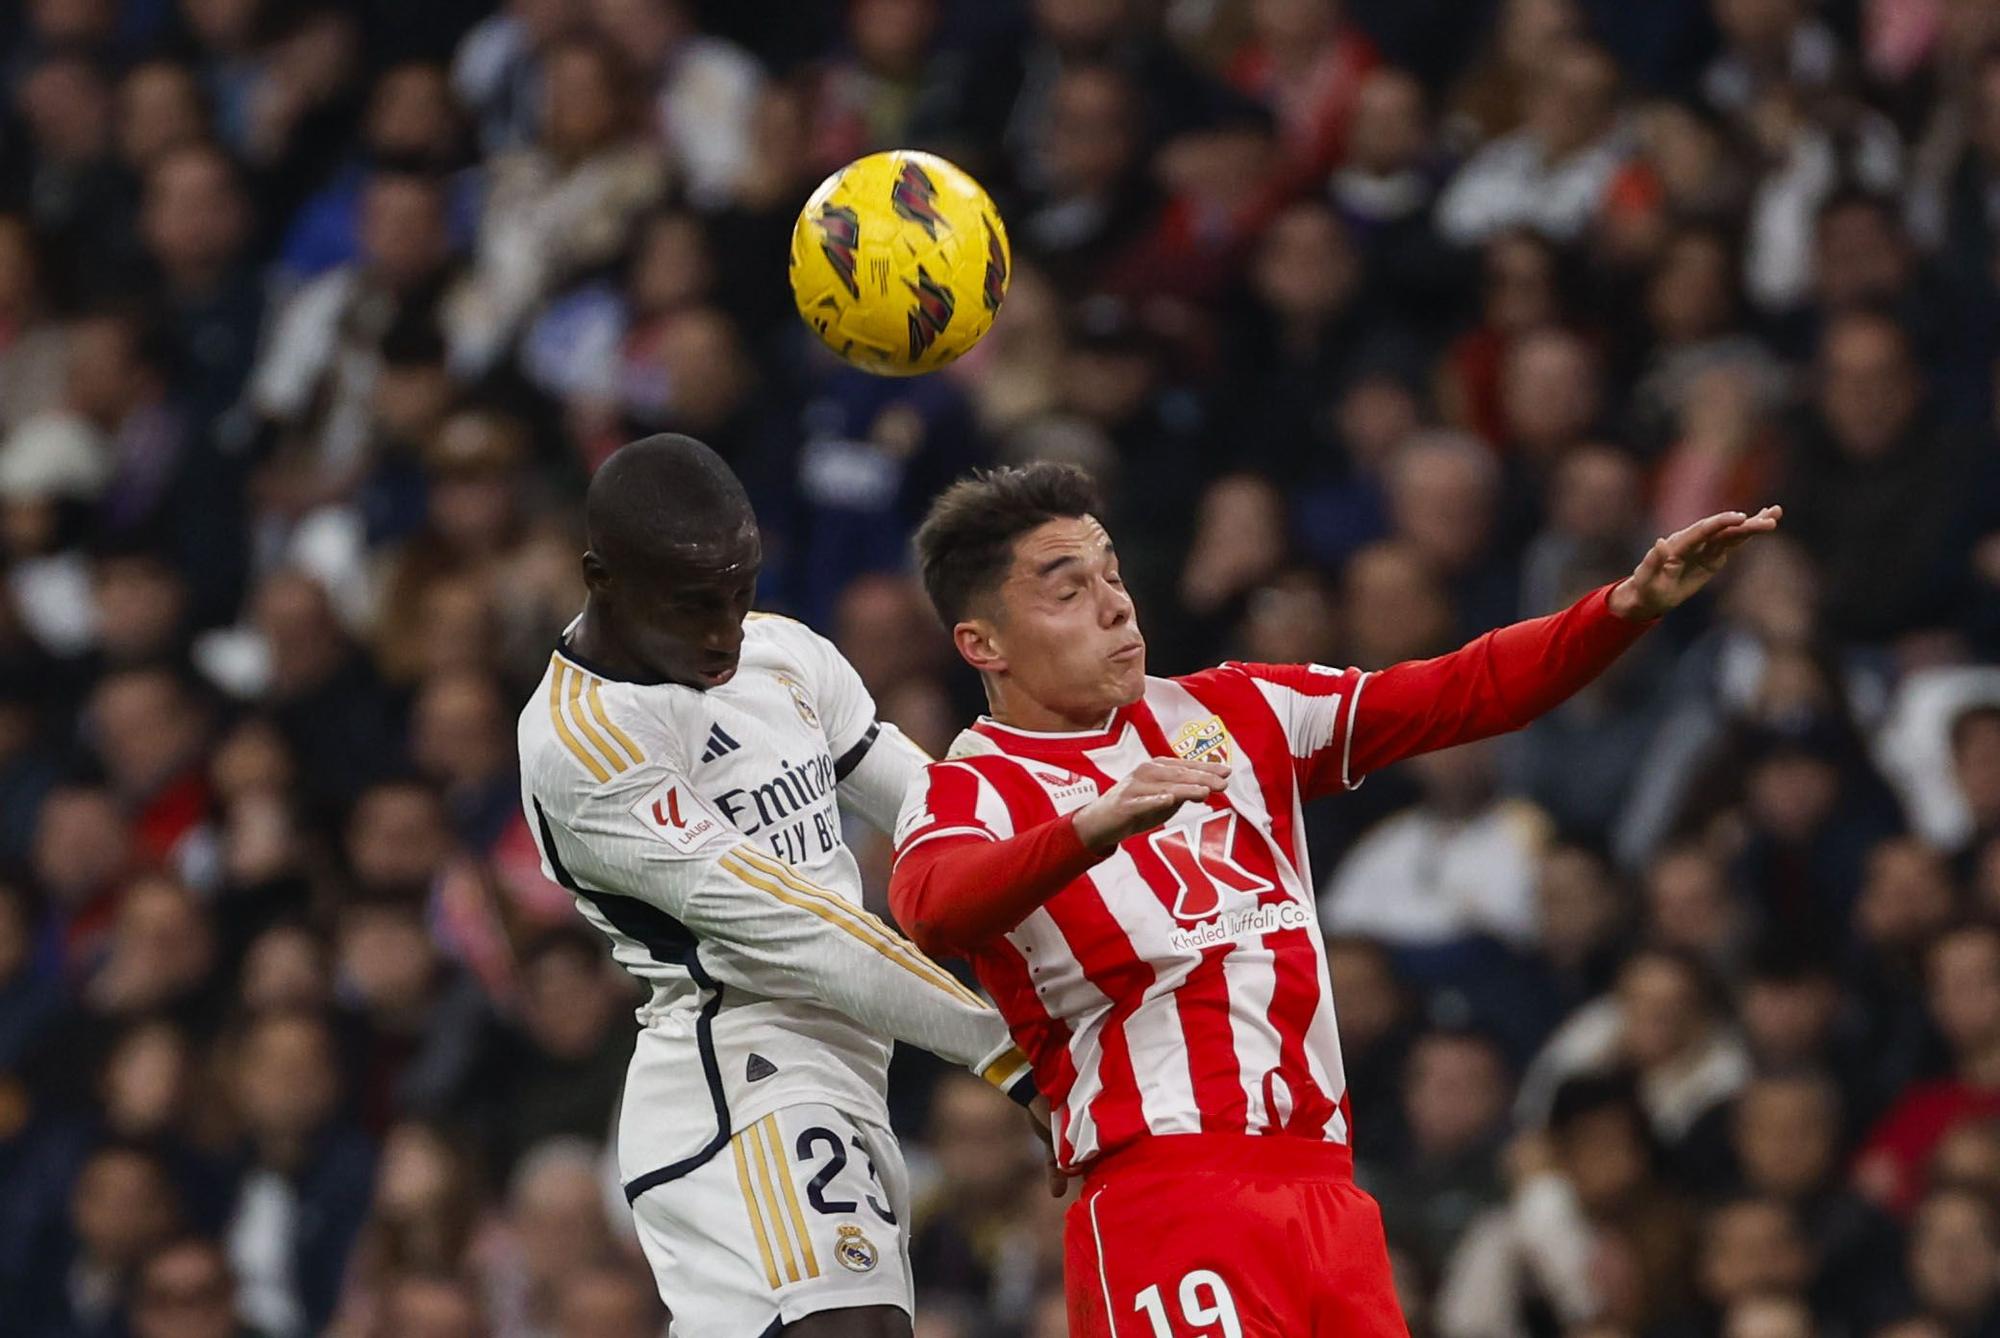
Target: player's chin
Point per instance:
(1128, 680)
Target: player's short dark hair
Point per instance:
(966, 542)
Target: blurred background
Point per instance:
(1382, 321)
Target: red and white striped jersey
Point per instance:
(1180, 985)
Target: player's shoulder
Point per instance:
(581, 730)
(772, 641)
(1312, 680)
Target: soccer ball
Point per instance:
(899, 262)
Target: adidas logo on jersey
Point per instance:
(719, 743)
(757, 1068)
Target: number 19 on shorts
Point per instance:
(1205, 1303)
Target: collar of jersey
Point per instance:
(596, 670)
(1059, 742)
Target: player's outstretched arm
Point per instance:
(761, 926)
(1508, 677)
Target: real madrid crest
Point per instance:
(799, 699)
(855, 1251)
(1204, 740)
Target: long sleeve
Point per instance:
(658, 857)
(1496, 683)
(957, 891)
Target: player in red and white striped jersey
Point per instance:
(1123, 860)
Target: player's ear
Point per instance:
(978, 643)
(596, 576)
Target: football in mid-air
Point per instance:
(900, 262)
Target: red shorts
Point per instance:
(1228, 1236)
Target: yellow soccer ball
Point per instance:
(900, 262)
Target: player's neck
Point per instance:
(594, 642)
(1016, 710)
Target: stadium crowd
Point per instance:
(1383, 321)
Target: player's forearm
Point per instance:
(1498, 682)
(768, 930)
(954, 893)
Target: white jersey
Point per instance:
(700, 831)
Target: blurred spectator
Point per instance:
(1560, 170)
(558, 1071)
(1458, 867)
(303, 1192)
(412, 122)
(185, 1290)
(323, 694)
(1962, 981)
(195, 223)
(1307, 61)
(121, 1208)
(1588, 1187)
(565, 203)
(554, 1229)
(705, 88)
(969, 1232)
(1954, 1261)
(1455, 1099)
(31, 344)
(608, 1302)
(417, 1024)
(1661, 1023)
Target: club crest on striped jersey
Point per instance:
(672, 812)
(1205, 740)
(799, 699)
(857, 1253)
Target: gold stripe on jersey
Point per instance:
(1006, 1070)
(761, 1159)
(619, 765)
(623, 739)
(857, 922)
(790, 877)
(750, 1206)
(774, 1136)
(563, 731)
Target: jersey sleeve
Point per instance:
(1315, 706)
(759, 925)
(963, 874)
(1343, 723)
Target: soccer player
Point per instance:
(681, 767)
(1122, 859)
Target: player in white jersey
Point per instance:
(682, 764)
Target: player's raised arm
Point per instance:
(752, 922)
(1504, 679)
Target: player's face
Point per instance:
(683, 623)
(1066, 632)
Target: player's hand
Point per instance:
(1149, 796)
(1682, 563)
(1041, 1116)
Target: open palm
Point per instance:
(1677, 567)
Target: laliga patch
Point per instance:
(854, 1250)
(1202, 741)
(677, 815)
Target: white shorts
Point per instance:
(804, 1210)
